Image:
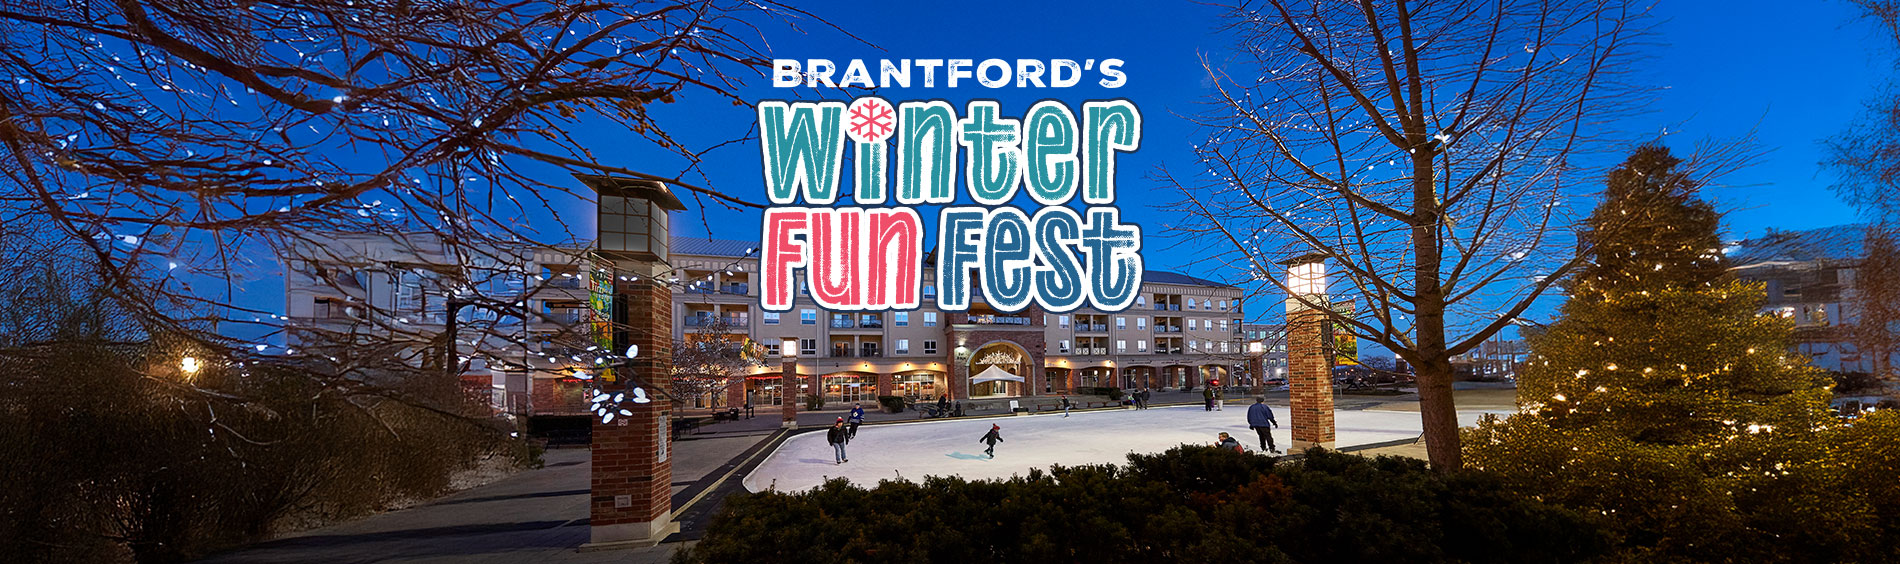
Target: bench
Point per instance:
(727, 415)
(685, 424)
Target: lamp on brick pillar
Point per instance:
(788, 383)
(1309, 371)
(630, 501)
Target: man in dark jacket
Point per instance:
(994, 436)
(1259, 416)
(837, 436)
(1207, 395)
(857, 418)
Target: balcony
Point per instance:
(1163, 329)
(843, 324)
(735, 289)
(871, 323)
(565, 281)
(999, 320)
(871, 353)
(1092, 327)
(1099, 351)
(710, 321)
(841, 353)
(567, 316)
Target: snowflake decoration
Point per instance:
(871, 120)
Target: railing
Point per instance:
(841, 353)
(1174, 307)
(571, 316)
(709, 321)
(842, 324)
(735, 289)
(999, 320)
(1101, 351)
(872, 323)
(1097, 327)
(871, 354)
(1165, 329)
(564, 282)
(698, 289)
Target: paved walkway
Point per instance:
(536, 516)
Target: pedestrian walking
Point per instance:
(1065, 405)
(994, 436)
(748, 408)
(1259, 416)
(1227, 441)
(838, 436)
(857, 418)
(1207, 395)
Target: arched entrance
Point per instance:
(999, 369)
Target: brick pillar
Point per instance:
(960, 376)
(884, 384)
(632, 471)
(1310, 376)
(1257, 370)
(788, 392)
(735, 393)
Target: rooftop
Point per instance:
(1836, 243)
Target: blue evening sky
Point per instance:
(1798, 72)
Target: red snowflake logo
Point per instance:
(871, 120)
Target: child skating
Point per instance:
(994, 436)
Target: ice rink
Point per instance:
(939, 448)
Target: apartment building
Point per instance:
(1810, 279)
(1181, 332)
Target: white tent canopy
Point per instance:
(993, 374)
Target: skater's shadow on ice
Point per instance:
(817, 461)
(961, 456)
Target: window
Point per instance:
(1191, 324)
(903, 347)
(1063, 320)
(1062, 346)
(1194, 345)
(1121, 322)
(1190, 303)
(1223, 346)
(930, 292)
(902, 319)
(1141, 300)
(1141, 345)
(1121, 346)
(771, 318)
(808, 346)
(808, 317)
(1223, 325)
(1141, 323)
(930, 319)
(930, 347)
(771, 349)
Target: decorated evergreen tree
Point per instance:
(1663, 398)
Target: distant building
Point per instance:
(1180, 332)
(358, 291)
(1810, 279)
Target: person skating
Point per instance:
(994, 436)
(1259, 416)
(1065, 405)
(838, 436)
(1220, 396)
(1227, 441)
(1207, 394)
(1146, 394)
(857, 418)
